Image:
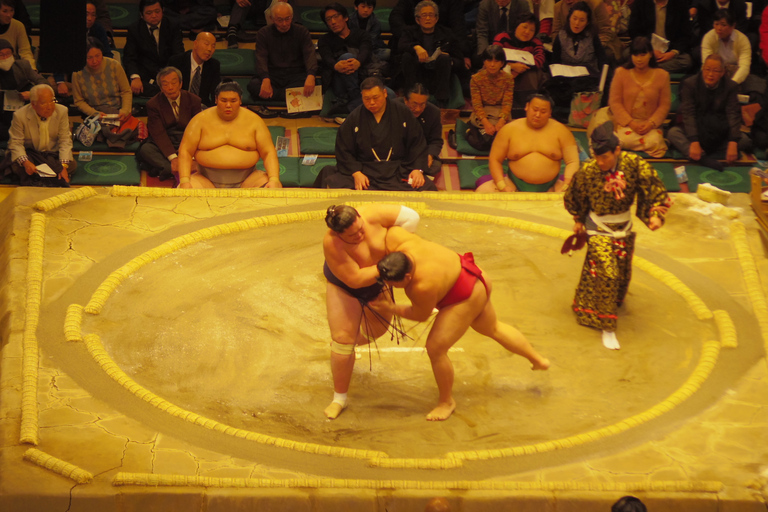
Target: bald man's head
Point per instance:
(204, 46)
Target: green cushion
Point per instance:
(310, 18)
(289, 170)
(675, 97)
(236, 62)
(462, 145)
(470, 170)
(456, 100)
(382, 14)
(308, 173)
(276, 131)
(732, 179)
(317, 141)
(105, 170)
(666, 171)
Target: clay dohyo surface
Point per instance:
(233, 328)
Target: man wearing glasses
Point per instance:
(343, 52)
(430, 53)
(285, 57)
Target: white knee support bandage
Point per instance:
(343, 349)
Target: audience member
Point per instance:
(168, 114)
(430, 53)
(528, 79)
(365, 19)
(576, 45)
(676, 28)
(241, 11)
(496, 17)
(417, 100)
(102, 85)
(226, 143)
(731, 44)
(711, 116)
(628, 504)
(150, 42)
(704, 11)
(40, 135)
(492, 92)
(200, 72)
(193, 15)
(534, 148)
(450, 16)
(13, 31)
(103, 18)
(285, 57)
(640, 100)
(15, 75)
(380, 146)
(344, 53)
(601, 24)
(96, 31)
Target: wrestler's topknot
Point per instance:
(339, 217)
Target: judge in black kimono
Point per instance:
(380, 146)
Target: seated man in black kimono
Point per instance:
(379, 147)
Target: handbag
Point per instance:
(86, 133)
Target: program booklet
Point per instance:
(295, 100)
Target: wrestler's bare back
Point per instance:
(227, 144)
(534, 155)
(436, 271)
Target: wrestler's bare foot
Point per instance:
(609, 341)
(442, 412)
(542, 363)
(332, 411)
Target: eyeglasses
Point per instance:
(332, 17)
(428, 15)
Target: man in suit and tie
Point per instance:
(168, 114)
(494, 17)
(150, 42)
(40, 134)
(199, 70)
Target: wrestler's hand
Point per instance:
(136, 86)
(361, 181)
(185, 185)
(273, 184)
(62, 89)
(309, 85)
(421, 53)
(732, 153)
(694, 152)
(416, 178)
(655, 223)
(29, 167)
(266, 89)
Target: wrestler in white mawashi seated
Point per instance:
(225, 143)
